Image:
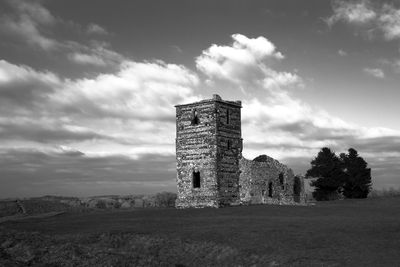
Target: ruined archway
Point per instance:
(296, 189)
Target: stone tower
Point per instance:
(208, 149)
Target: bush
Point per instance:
(165, 199)
(101, 204)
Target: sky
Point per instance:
(88, 88)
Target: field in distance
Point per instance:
(340, 233)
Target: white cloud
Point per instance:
(352, 12)
(377, 73)
(34, 10)
(389, 22)
(137, 90)
(27, 29)
(22, 87)
(86, 59)
(29, 17)
(130, 111)
(245, 63)
(384, 18)
(93, 28)
(342, 53)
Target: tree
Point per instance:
(357, 182)
(329, 170)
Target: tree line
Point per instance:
(346, 174)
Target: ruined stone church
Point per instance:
(211, 171)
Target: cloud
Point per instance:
(130, 111)
(47, 132)
(377, 73)
(98, 54)
(143, 90)
(276, 123)
(34, 24)
(389, 22)
(65, 171)
(245, 63)
(384, 18)
(359, 12)
(24, 87)
(86, 59)
(342, 53)
(93, 28)
(116, 129)
(26, 22)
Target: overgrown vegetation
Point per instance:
(346, 175)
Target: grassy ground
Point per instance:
(340, 233)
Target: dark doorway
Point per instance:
(196, 179)
(270, 189)
(296, 189)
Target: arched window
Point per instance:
(196, 178)
(195, 117)
(282, 180)
(270, 189)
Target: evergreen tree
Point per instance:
(329, 170)
(357, 182)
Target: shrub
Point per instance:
(101, 204)
(165, 199)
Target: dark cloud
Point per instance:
(378, 144)
(32, 172)
(21, 87)
(42, 133)
(308, 131)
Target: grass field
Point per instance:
(339, 233)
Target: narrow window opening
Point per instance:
(195, 117)
(227, 117)
(297, 189)
(229, 144)
(282, 180)
(196, 179)
(270, 189)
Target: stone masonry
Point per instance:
(265, 180)
(208, 149)
(210, 169)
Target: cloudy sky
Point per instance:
(88, 88)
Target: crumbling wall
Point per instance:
(265, 180)
(210, 169)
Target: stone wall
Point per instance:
(229, 151)
(208, 141)
(265, 180)
(210, 169)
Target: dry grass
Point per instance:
(340, 233)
